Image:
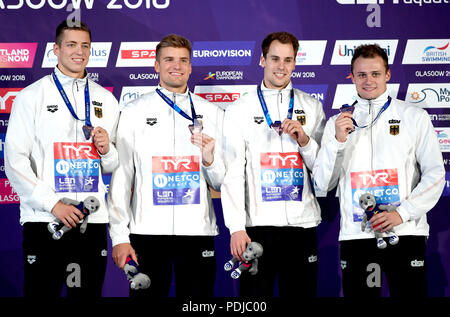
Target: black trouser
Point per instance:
(193, 261)
(289, 253)
(76, 260)
(404, 265)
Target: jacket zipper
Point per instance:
(280, 101)
(174, 154)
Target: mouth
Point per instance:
(78, 60)
(176, 74)
(279, 75)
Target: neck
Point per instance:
(68, 73)
(273, 87)
(177, 90)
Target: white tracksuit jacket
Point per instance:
(160, 186)
(401, 150)
(47, 156)
(254, 152)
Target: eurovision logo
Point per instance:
(222, 53)
(17, 55)
(77, 167)
(176, 180)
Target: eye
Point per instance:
(250, 249)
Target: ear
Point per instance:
(388, 75)
(157, 66)
(56, 49)
(263, 61)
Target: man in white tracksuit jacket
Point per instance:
(267, 195)
(160, 206)
(48, 157)
(394, 154)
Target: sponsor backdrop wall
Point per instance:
(226, 38)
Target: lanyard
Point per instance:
(178, 109)
(266, 111)
(386, 105)
(87, 102)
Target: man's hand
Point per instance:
(121, 252)
(238, 243)
(206, 144)
(343, 125)
(101, 140)
(69, 215)
(295, 130)
(386, 221)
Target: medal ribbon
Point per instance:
(266, 111)
(178, 109)
(385, 106)
(87, 101)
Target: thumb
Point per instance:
(134, 256)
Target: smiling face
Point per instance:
(370, 77)
(174, 68)
(73, 53)
(278, 64)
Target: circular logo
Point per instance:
(160, 181)
(62, 167)
(269, 177)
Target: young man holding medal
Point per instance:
(271, 139)
(161, 212)
(59, 142)
(389, 148)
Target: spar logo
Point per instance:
(281, 176)
(383, 184)
(137, 54)
(433, 51)
(222, 53)
(99, 55)
(17, 55)
(77, 167)
(444, 141)
(176, 180)
(7, 96)
(223, 95)
(344, 50)
(7, 193)
(429, 95)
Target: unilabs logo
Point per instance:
(99, 55)
(17, 55)
(344, 50)
(7, 96)
(137, 54)
(222, 53)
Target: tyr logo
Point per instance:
(85, 149)
(184, 162)
(369, 179)
(292, 158)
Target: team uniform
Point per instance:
(159, 197)
(267, 189)
(393, 154)
(47, 157)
